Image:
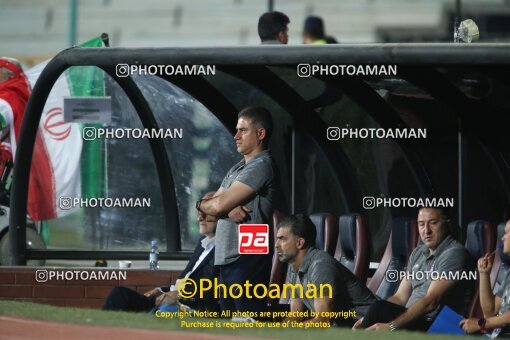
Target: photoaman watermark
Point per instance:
(188, 288)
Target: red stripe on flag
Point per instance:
(41, 193)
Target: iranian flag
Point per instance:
(69, 167)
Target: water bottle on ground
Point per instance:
(153, 256)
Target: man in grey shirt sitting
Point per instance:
(420, 297)
(350, 297)
(495, 307)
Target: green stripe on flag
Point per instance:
(3, 123)
(94, 42)
(89, 81)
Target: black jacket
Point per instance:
(205, 270)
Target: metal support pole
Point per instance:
(462, 161)
(458, 10)
(73, 22)
(293, 173)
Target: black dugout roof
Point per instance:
(442, 71)
(437, 54)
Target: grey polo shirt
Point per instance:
(258, 174)
(318, 267)
(504, 294)
(449, 256)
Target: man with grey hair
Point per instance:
(200, 266)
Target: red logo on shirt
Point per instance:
(253, 239)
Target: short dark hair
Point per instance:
(444, 210)
(301, 226)
(445, 215)
(272, 23)
(314, 27)
(260, 117)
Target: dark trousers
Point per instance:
(126, 299)
(253, 268)
(383, 312)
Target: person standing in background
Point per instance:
(273, 28)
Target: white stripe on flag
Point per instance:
(63, 140)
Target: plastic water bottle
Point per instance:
(153, 256)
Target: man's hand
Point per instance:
(485, 263)
(173, 295)
(220, 205)
(357, 324)
(379, 327)
(153, 292)
(429, 302)
(159, 299)
(470, 325)
(169, 298)
(239, 214)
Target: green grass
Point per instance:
(146, 321)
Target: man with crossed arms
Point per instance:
(246, 195)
